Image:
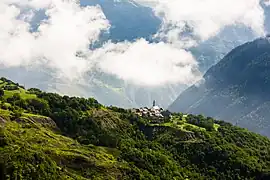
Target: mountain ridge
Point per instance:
(128, 23)
(233, 88)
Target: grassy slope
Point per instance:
(9, 93)
(68, 158)
(182, 124)
(30, 139)
(30, 149)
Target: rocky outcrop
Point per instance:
(44, 121)
(2, 120)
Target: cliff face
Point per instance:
(236, 89)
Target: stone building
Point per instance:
(154, 112)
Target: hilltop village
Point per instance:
(155, 112)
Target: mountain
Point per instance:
(48, 136)
(236, 89)
(129, 21)
(127, 18)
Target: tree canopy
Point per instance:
(48, 136)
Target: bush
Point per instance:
(201, 121)
(3, 106)
(16, 113)
(180, 123)
(14, 98)
(11, 87)
(34, 91)
(3, 79)
(38, 105)
(2, 92)
(3, 141)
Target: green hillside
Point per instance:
(48, 136)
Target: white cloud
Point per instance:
(70, 29)
(144, 63)
(206, 18)
(36, 4)
(267, 2)
(148, 64)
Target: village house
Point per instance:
(155, 112)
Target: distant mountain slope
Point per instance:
(236, 89)
(129, 21)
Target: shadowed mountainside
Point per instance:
(236, 89)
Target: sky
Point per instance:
(61, 41)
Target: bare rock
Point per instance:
(2, 120)
(44, 121)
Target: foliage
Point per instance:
(16, 113)
(2, 92)
(11, 87)
(34, 91)
(201, 121)
(51, 156)
(92, 141)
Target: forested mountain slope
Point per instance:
(236, 89)
(48, 136)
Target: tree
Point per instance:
(2, 92)
(17, 113)
(16, 97)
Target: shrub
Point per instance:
(2, 92)
(17, 113)
(11, 87)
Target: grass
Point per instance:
(23, 93)
(181, 127)
(81, 161)
(181, 124)
(216, 126)
(32, 115)
(2, 83)
(5, 113)
(9, 93)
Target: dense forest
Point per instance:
(49, 136)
